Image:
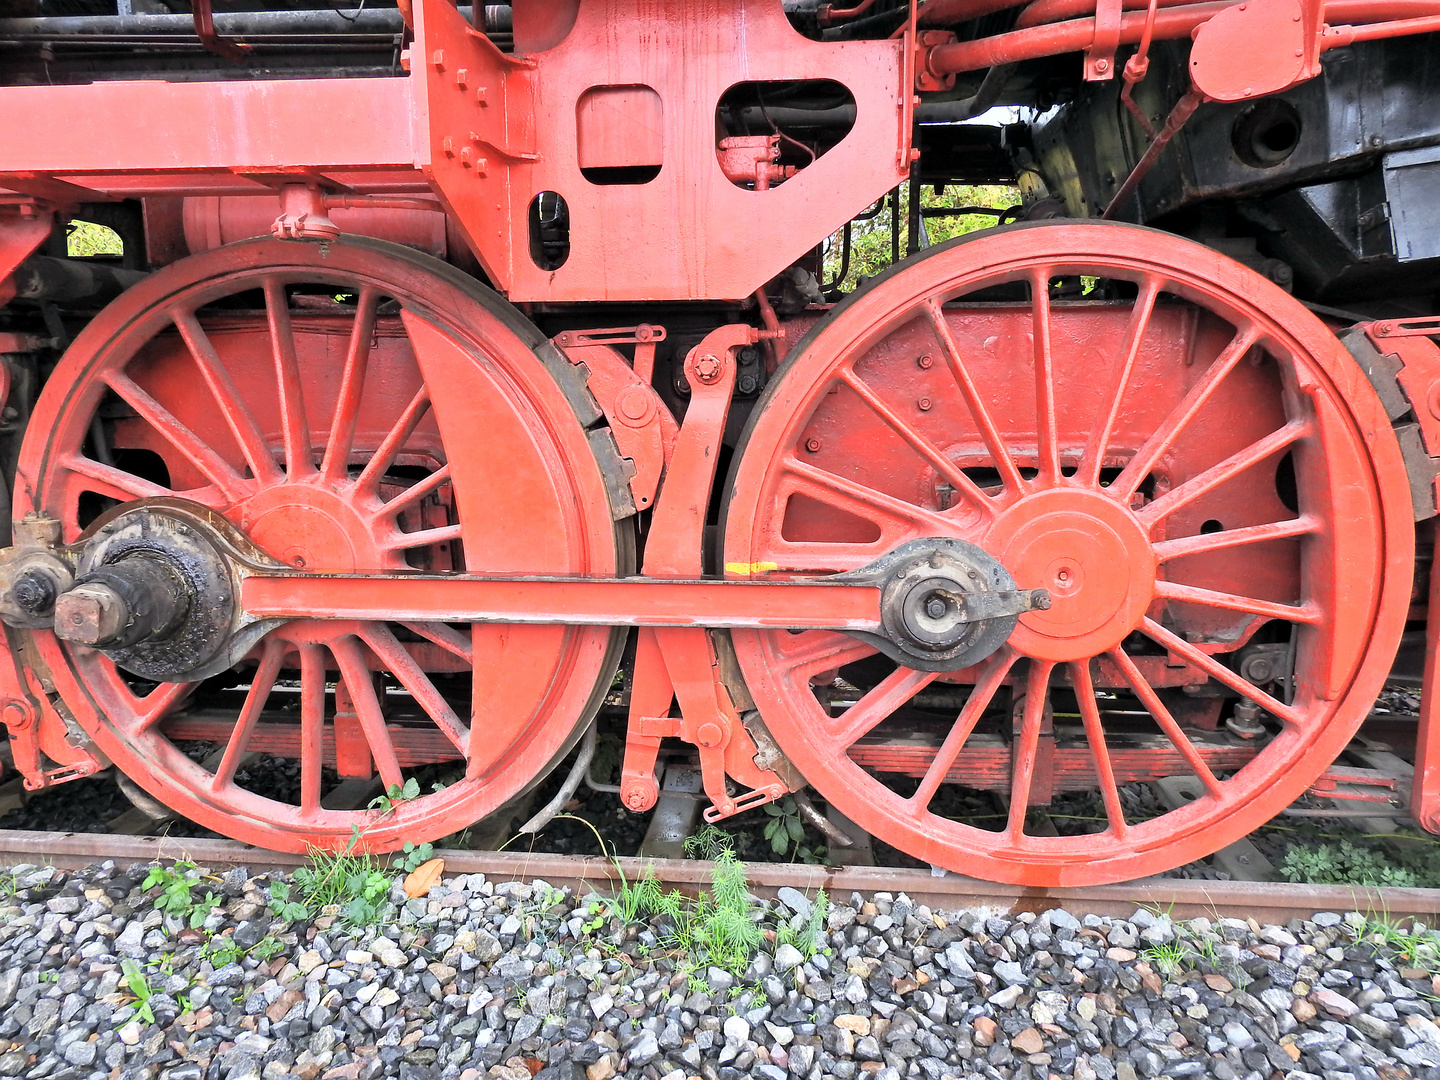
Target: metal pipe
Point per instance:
(578, 772)
(1182, 112)
(1040, 12)
(1177, 22)
(42, 278)
(231, 23)
(1063, 37)
(819, 821)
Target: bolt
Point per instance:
(438, 59)
(924, 404)
(90, 614)
(1102, 65)
(635, 800)
(709, 735)
(935, 607)
(927, 361)
(813, 445)
(707, 368)
(748, 384)
(34, 592)
(15, 715)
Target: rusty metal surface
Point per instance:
(1266, 902)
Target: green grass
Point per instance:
(355, 885)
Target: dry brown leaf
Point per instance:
(425, 878)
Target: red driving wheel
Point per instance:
(1181, 454)
(275, 383)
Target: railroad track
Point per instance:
(1265, 902)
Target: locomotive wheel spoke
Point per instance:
(261, 683)
(1207, 481)
(237, 414)
(198, 452)
(157, 704)
(326, 448)
(1162, 716)
(112, 482)
(1201, 543)
(295, 430)
(403, 541)
(449, 639)
(1190, 594)
(367, 708)
(379, 465)
(1009, 473)
(403, 666)
(889, 694)
(1095, 735)
(863, 501)
(1222, 674)
(1026, 748)
(1131, 477)
(312, 725)
(1093, 459)
(417, 491)
(813, 651)
(918, 442)
(1179, 456)
(1046, 424)
(998, 667)
(352, 386)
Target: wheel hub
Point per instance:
(311, 527)
(1094, 559)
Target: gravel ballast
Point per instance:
(511, 980)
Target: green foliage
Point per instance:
(708, 842)
(1349, 863)
(138, 984)
(222, 950)
(396, 794)
(352, 885)
(411, 858)
(1167, 959)
(84, 239)
(178, 885)
(870, 241)
(1413, 946)
(784, 830)
(807, 939)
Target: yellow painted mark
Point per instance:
(745, 569)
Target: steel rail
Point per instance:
(1265, 902)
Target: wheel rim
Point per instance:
(1072, 440)
(274, 382)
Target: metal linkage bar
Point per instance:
(572, 601)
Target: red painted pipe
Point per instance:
(1062, 38)
(1336, 11)
(1175, 22)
